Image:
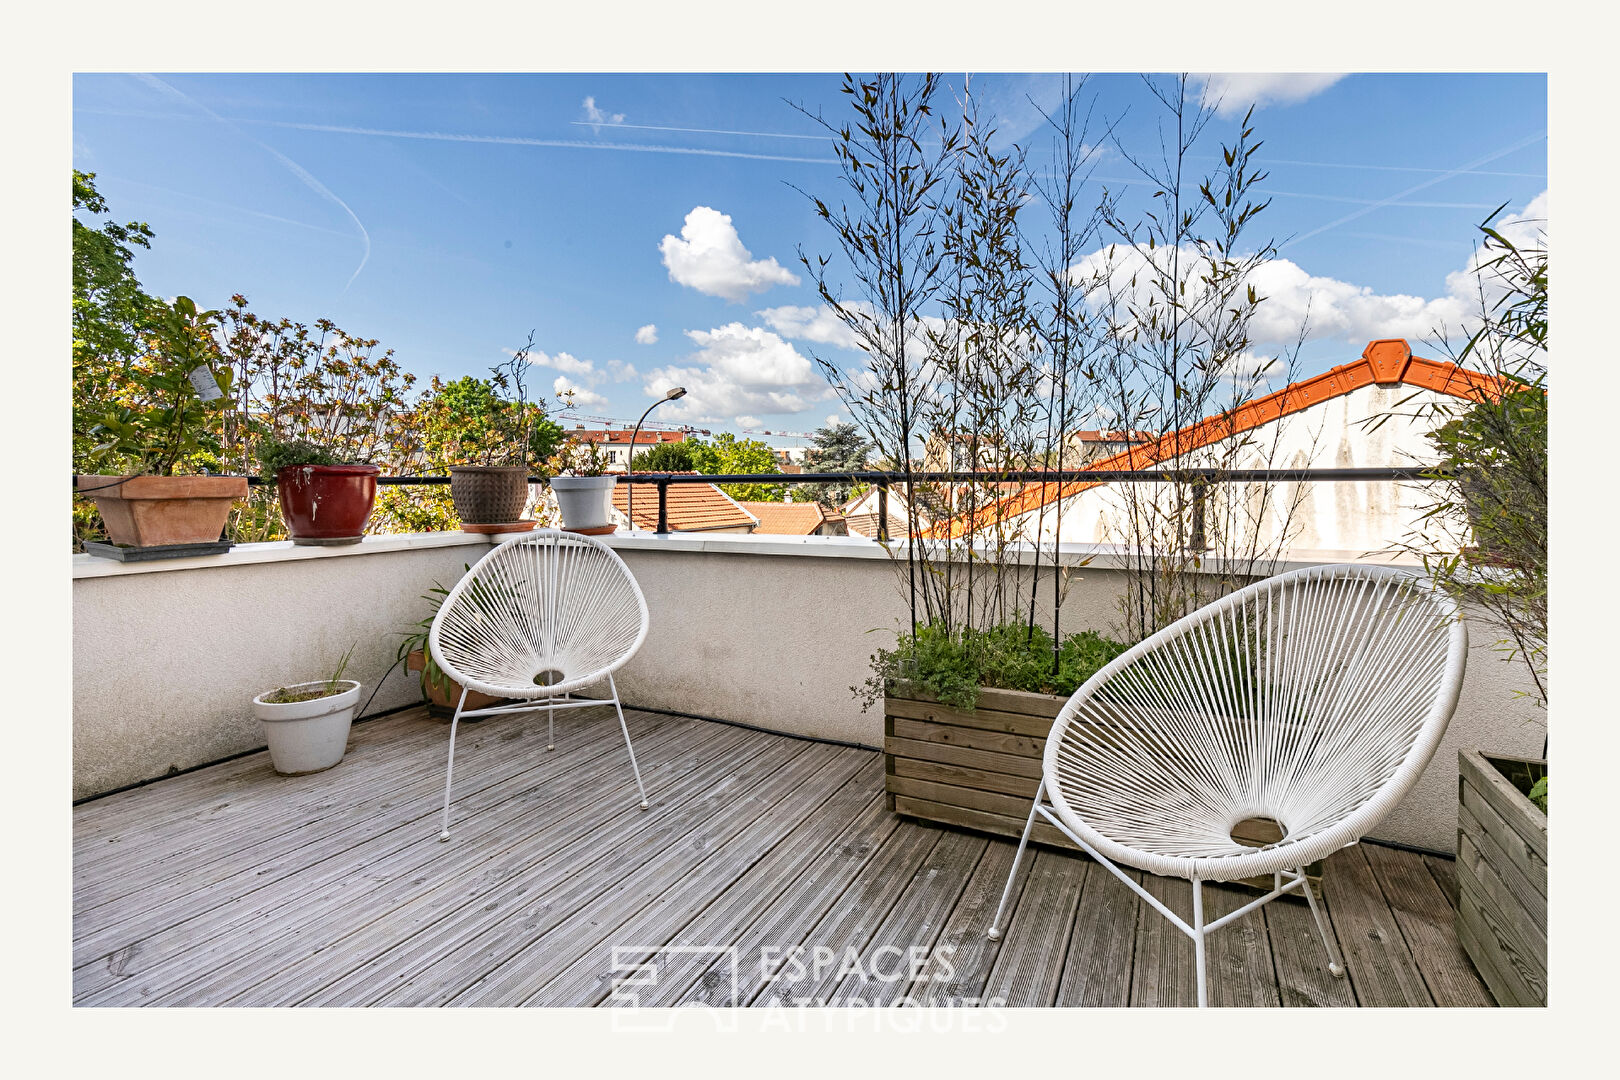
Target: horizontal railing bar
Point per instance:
(1111, 476)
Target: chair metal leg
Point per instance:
(626, 729)
(551, 732)
(1335, 960)
(1198, 939)
(994, 933)
(450, 765)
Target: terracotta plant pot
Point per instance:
(326, 504)
(489, 494)
(586, 502)
(440, 702)
(154, 511)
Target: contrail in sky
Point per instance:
(292, 166)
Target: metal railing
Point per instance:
(1205, 478)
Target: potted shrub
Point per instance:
(1486, 543)
(584, 494)
(439, 690)
(322, 501)
(163, 427)
(306, 725)
(498, 435)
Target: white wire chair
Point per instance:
(1313, 699)
(537, 619)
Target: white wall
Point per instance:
(769, 631)
(1336, 434)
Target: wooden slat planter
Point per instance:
(1502, 875)
(979, 770)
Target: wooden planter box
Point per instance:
(1502, 875)
(979, 770)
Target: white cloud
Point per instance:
(1230, 95)
(834, 419)
(817, 324)
(597, 118)
(647, 335)
(582, 398)
(709, 256)
(621, 371)
(565, 362)
(739, 371)
(749, 422)
(1250, 368)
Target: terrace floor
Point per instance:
(231, 885)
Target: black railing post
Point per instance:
(883, 512)
(1199, 541)
(663, 506)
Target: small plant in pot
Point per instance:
(162, 427)
(496, 435)
(439, 689)
(307, 724)
(584, 494)
(323, 501)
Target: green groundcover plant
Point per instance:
(1007, 656)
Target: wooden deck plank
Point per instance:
(1102, 947)
(914, 923)
(265, 932)
(351, 816)
(1035, 941)
(233, 885)
(786, 923)
(1301, 960)
(958, 967)
(1165, 969)
(1382, 971)
(852, 918)
(438, 932)
(1238, 969)
(1424, 916)
(756, 814)
(845, 783)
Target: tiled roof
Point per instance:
(689, 508)
(790, 519)
(644, 438)
(1386, 362)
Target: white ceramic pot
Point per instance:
(308, 736)
(586, 502)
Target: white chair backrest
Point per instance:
(553, 610)
(1315, 697)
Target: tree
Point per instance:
(669, 457)
(837, 448)
(729, 454)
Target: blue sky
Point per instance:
(447, 215)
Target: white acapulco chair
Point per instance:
(537, 619)
(1314, 699)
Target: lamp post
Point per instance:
(630, 496)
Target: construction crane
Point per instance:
(779, 434)
(649, 425)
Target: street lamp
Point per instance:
(630, 496)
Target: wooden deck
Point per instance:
(233, 886)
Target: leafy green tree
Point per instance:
(837, 448)
(729, 454)
(670, 457)
(110, 309)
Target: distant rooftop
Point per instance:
(689, 508)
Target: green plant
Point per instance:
(275, 455)
(417, 638)
(152, 417)
(670, 457)
(286, 696)
(952, 664)
(577, 457)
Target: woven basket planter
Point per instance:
(489, 494)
